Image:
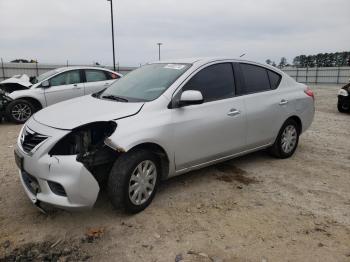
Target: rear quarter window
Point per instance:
(111, 75)
(275, 79)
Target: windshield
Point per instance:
(43, 76)
(146, 83)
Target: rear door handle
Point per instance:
(76, 86)
(283, 102)
(106, 84)
(233, 112)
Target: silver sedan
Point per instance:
(161, 120)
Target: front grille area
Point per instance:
(30, 139)
(31, 183)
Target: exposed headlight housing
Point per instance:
(84, 138)
(342, 92)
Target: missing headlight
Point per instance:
(84, 139)
(87, 143)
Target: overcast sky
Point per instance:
(79, 30)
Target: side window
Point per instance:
(255, 78)
(111, 75)
(275, 79)
(66, 78)
(95, 75)
(215, 82)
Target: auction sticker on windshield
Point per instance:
(174, 66)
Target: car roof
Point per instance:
(205, 60)
(193, 60)
(62, 69)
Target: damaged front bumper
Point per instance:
(60, 181)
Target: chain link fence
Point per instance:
(314, 75)
(8, 70)
(319, 75)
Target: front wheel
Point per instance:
(287, 140)
(133, 180)
(19, 111)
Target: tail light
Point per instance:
(309, 92)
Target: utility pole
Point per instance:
(159, 44)
(3, 69)
(111, 1)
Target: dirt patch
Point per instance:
(47, 251)
(230, 173)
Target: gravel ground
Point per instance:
(254, 208)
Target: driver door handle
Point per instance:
(76, 86)
(233, 112)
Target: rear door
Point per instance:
(265, 104)
(64, 86)
(215, 128)
(96, 80)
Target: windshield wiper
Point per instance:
(115, 98)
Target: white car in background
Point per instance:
(52, 87)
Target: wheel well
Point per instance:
(160, 152)
(33, 101)
(298, 121)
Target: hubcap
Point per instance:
(21, 112)
(289, 139)
(142, 182)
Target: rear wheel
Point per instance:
(287, 140)
(342, 108)
(19, 111)
(133, 180)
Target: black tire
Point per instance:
(16, 118)
(277, 148)
(341, 109)
(120, 175)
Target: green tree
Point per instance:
(296, 61)
(283, 62)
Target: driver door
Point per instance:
(214, 129)
(64, 86)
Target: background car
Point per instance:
(56, 86)
(4, 101)
(344, 98)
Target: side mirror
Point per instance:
(191, 97)
(45, 84)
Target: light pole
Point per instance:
(111, 1)
(159, 44)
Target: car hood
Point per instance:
(83, 110)
(18, 79)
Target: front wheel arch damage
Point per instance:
(87, 143)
